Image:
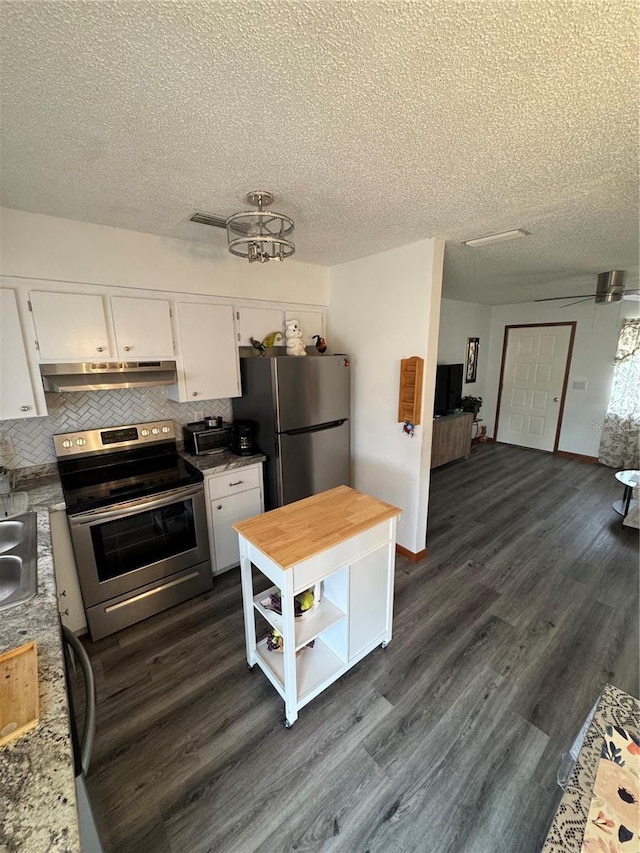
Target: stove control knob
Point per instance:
(165, 429)
(144, 432)
(81, 442)
(67, 443)
(155, 431)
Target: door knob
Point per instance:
(219, 506)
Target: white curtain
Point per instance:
(619, 446)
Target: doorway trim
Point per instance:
(572, 324)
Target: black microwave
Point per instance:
(200, 439)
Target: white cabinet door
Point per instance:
(257, 323)
(368, 599)
(208, 353)
(311, 323)
(64, 563)
(17, 399)
(70, 325)
(142, 327)
(224, 513)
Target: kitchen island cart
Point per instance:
(344, 540)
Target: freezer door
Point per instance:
(310, 391)
(312, 461)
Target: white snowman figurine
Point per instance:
(293, 339)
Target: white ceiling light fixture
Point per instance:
(260, 235)
(490, 239)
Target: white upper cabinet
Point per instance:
(311, 323)
(17, 399)
(257, 323)
(70, 325)
(208, 356)
(142, 327)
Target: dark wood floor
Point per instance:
(449, 740)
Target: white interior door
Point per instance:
(532, 382)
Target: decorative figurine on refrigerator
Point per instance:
(321, 344)
(293, 337)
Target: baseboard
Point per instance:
(409, 555)
(490, 440)
(565, 454)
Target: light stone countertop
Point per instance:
(216, 463)
(36, 770)
(38, 811)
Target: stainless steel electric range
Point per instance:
(138, 523)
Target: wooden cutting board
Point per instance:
(19, 707)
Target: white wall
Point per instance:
(47, 247)
(384, 308)
(459, 321)
(597, 331)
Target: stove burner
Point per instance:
(106, 475)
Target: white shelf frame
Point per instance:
(299, 678)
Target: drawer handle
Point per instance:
(237, 483)
(24, 408)
(126, 349)
(219, 506)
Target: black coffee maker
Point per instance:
(243, 438)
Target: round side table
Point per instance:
(629, 479)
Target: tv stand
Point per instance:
(451, 438)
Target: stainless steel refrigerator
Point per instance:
(300, 411)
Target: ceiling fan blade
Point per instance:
(574, 296)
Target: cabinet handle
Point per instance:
(126, 349)
(24, 408)
(99, 349)
(194, 394)
(237, 483)
(219, 506)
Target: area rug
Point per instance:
(613, 825)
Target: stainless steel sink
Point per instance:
(11, 534)
(18, 560)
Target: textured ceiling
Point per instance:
(375, 123)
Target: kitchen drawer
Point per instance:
(236, 480)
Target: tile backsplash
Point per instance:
(32, 437)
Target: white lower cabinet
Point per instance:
(231, 497)
(368, 600)
(69, 596)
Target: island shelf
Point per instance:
(344, 540)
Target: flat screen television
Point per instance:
(448, 388)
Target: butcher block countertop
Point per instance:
(301, 530)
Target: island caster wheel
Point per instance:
(250, 667)
(384, 644)
(287, 724)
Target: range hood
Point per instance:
(106, 376)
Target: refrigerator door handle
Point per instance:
(318, 428)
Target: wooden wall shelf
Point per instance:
(410, 398)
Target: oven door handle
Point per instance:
(138, 505)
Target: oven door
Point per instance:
(121, 548)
